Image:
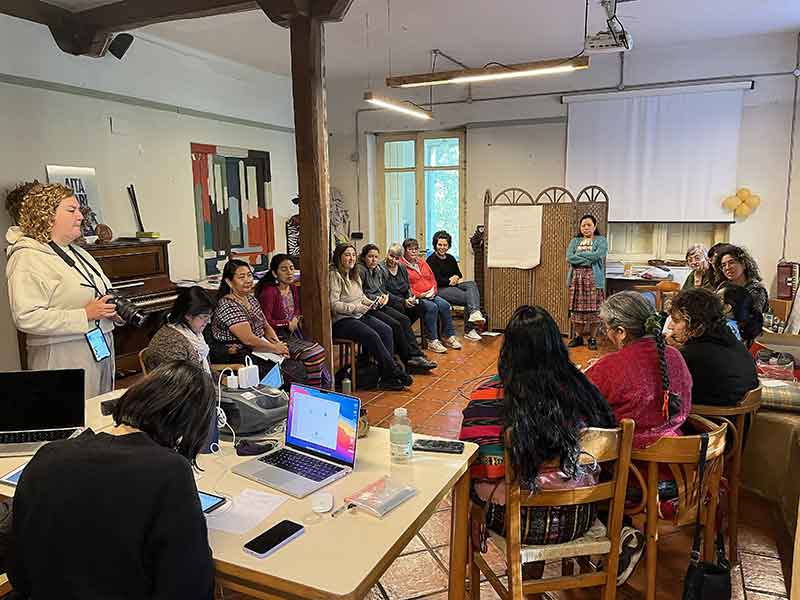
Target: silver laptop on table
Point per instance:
(319, 443)
(39, 407)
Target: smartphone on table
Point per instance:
(274, 538)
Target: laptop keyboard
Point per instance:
(25, 437)
(300, 464)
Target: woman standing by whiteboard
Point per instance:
(586, 255)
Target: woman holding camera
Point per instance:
(58, 293)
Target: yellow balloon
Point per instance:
(743, 193)
(731, 202)
(753, 201)
(743, 211)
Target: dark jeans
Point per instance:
(373, 334)
(433, 308)
(404, 339)
(464, 294)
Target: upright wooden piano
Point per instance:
(139, 271)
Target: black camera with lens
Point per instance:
(126, 309)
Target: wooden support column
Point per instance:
(311, 140)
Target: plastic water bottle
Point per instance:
(400, 436)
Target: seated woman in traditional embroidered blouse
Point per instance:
(280, 302)
(181, 336)
(239, 326)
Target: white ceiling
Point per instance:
(474, 31)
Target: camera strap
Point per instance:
(86, 275)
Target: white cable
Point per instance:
(222, 418)
(277, 393)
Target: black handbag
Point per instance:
(706, 581)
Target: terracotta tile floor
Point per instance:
(434, 403)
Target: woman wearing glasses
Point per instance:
(734, 264)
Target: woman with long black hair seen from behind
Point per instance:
(546, 400)
(116, 514)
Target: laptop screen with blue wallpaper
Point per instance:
(323, 423)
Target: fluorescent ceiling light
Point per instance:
(530, 69)
(403, 106)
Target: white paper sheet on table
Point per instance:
(515, 237)
(269, 356)
(246, 511)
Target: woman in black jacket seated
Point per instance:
(373, 281)
(722, 369)
(116, 514)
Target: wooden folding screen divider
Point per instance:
(545, 285)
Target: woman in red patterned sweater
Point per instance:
(645, 380)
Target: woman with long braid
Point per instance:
(645, 380)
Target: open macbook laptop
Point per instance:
(319, 444)
(39, 407)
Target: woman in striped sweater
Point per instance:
(547, 401)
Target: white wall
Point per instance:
(41, 127)
(532, 156)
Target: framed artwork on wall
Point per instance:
(82, 181)
(233, 206)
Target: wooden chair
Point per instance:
(681, 455)
(348, 355)
(662, 293)
(605, 445)
(141, 360)
(667, 290)
(736, 418)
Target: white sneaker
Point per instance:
(473, 336)
(630, 553)
(436, 346)
(453, 343)
(476, 317)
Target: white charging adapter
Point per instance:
(248, 375)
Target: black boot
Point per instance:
(420, 364)
(575, 342)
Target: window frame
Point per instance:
(419, 170)
(659, 241)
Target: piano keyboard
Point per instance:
(154, 301)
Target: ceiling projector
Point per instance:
(613, 39)
(608, 41)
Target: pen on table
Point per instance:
(342, 508)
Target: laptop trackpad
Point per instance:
(277, 477)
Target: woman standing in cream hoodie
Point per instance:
(54, 303)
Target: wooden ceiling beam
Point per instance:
(35, 10)
(331, 10)
(132, 14)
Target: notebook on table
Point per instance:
(319, 443)
(40, 407)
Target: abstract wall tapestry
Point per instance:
(233, 205)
